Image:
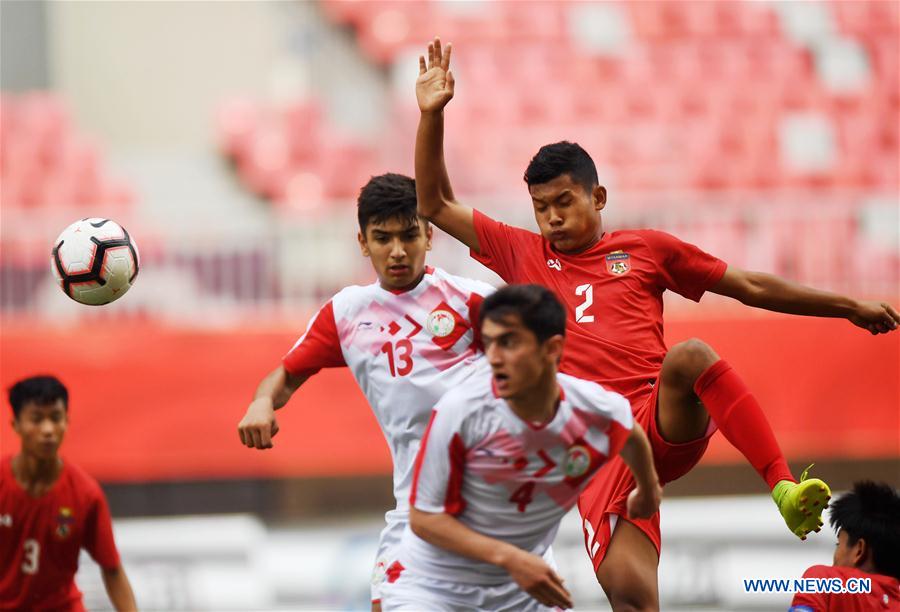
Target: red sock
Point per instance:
(741, 420)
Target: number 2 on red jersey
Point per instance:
(587, 290)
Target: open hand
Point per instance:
(258, 426)
(877, 317)
(434, 87)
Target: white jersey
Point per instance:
(405, 350)
(507, 478)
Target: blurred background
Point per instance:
(231, 139)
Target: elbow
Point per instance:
(292, 382)
(748, 288)
(754, 290)
(430, 203)
(415, 524)
(428, 208)
(111, 574)
(418, 524)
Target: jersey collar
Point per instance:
(531, 424)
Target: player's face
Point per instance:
(518, 361)
(846, 555)
(567, 214)
(41, 428)
(397, 249)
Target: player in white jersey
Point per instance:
(407, 338)
(504, 458)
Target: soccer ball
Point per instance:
(95, 261)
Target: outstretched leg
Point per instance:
(696, 384)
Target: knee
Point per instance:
(633, 599)
(633, 605)
(686, 361)
(631, 585)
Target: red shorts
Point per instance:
(607, 493)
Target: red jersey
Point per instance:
(612, 292)
(885, 593)
(40, 539)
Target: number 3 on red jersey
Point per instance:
(32, 556)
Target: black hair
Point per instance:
(560, 158)
(386, 196)
(538, 308)
(41, 390)
(871, 511)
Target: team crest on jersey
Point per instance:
(440, 323)
(618, 263)
(64, 522)
(445, 325)
(578, 461)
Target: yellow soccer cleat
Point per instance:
(801, 503)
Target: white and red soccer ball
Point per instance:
(95, 261)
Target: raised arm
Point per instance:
(434, 89)
(118, 588)
(528, 570)
(779, 295)
(259, 426)
(643, 502)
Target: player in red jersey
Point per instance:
(612, 284)
(867, 522)
(50, 510)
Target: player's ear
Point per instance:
(859, 551)
(429, 234)
(554, 347)
(363, 246)
(598, 195)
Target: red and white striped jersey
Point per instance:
(405, 349)
(507, 478)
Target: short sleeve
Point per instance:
(440, 464)
(607, 412)
(98, 540)
(319, 347)
(474, 303)
(812, 602)
(498, 244)
(621, 421)
(683, 268)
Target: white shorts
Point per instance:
(388, 549)
(416, 593)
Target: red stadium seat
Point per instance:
(697, 97)
(45, 161)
